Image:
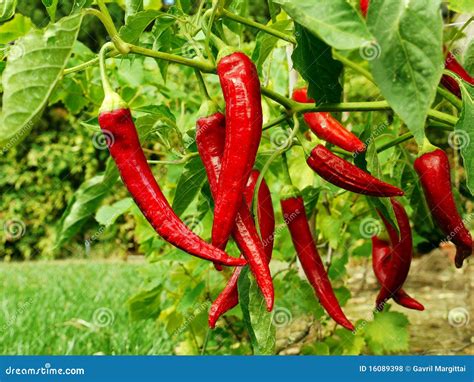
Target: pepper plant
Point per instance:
(216, 112)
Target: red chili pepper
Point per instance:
(266, 214)
(229, 297)
(295, 218)
(402, 254)
(210, 136)
(381, 264)
(449, 82)
(347, 176)
(241, 89)
(328, 128)
(364, 7)
(124, 146)
(434, 172)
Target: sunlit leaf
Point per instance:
(336, 22)
(35, 64)
(406, 58)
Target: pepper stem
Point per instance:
(426, 147)
(121, 45)
(112, 101)
(289, 190)
(202, 84)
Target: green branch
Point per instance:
(104, 16)
(203, 66)
(242, 20)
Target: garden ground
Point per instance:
(79, 307)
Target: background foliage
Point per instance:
(60, 191)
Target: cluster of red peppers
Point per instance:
(228, 145)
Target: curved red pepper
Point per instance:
(266, 214)
(295, 218)
(402, 254)
(364, 7)
(434, 172)
(241, 89)
(381, 256)
(124, 146)
(449, 82)
(229, 297)
(210, 136)
(328, 128)
(347, 176)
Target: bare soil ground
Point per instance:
(445, 327)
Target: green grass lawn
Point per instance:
(72, 307)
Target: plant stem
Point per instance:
(297, 107)
(203, 66)
(351, 64)
(359, 69)
(446, 94)
(282, 100)
(275, 122)
(184, 159)
(202, 84)
(440, 125)
(458, 32)
(88, 64)
(442, 117)
(106, 19)
(342, 106)
(242, 20)
(103, 75)
(396, 141)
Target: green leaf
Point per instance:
(85, 202)
(316, 348)
(338, 266)
(331, 227)
(189, 185)
(132, 7)
(421, 216)
(336, 22)
(51, 7)
(190, 297)
(312, 58)
(137, 23)
(310, 196)
(406, 59)
(461, 6)
(107, 215)
(71, 93)
(35, 65)
(387, 333)
(350, 344)
(468, 61)
(145, 304)
(164, 37)
(15, 28)
(7, 9)
(265, 43)
(464, 133)
(258, 321)
(80, 4)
